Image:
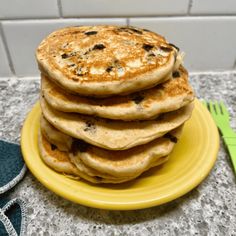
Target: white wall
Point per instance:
(204, 29)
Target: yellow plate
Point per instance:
(190, 162)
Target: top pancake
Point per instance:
(106, 60)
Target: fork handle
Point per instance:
(231, 145)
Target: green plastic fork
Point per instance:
(222, 120)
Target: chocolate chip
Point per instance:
(116, 61)
(136, 31)
(89, 126)
(123, 28)
(98, 47)
(128, 29)
(64, 56)
(171, 137)
(138, 98)
(109, 69)
(91, 32)
(53, 147)
(166, 49)
(78, 146)
(147, 47)
(176, 74)
(72, 65)
(171, 44)
(146, 30)
(86, 53)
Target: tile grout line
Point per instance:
(10, 62)
(190, 4)
(59, 8)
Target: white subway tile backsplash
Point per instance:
(84, 8)
(208, 7)
(4, 65)
(24, 36)
(11, 9)
(209, 42)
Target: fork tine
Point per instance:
(217, 108)
(223, 108)
(210, 107)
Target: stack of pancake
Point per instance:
(114, 101)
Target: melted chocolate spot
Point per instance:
(98, 47)
(116, 61)
(138, 98)
(72, 65)
(171, 44)
(171, 137)
(75, 79)
(176, 74)
(166, 49)
(147, 47)
(90, 126)
(91, 33)
(146, 30)
(64, 56)
(78, 146)
(53, 147)
(109, 69)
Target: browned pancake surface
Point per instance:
(104, 53)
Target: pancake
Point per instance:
(105, 178)
(126, 163)
(147, 104)
(101, 61)
(117, 164)
(60, 162)
(112, 134)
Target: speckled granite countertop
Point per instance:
(209, 209)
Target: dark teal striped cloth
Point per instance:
(12, 170)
